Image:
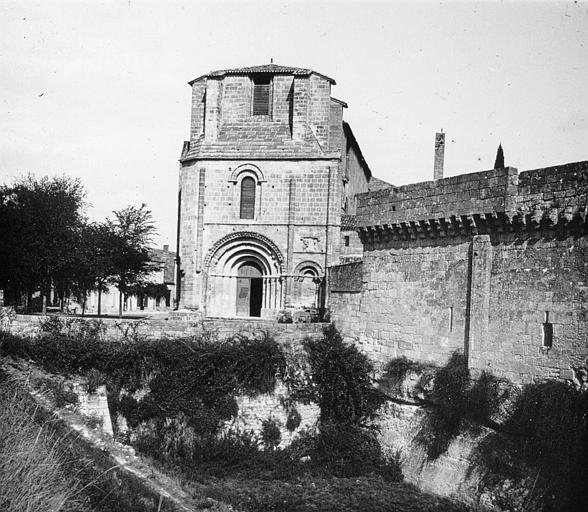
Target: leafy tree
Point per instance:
(95, 260)
(134, 230)
(499, 162)
(38, 224)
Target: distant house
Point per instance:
(164, 261)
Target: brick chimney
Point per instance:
(439, 155)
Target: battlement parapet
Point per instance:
(478, 203)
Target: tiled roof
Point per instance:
(351, 138)
(255, 139)
(348, 222)
(264, 68)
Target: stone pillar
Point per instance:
(199, 239)
(478, 306)
(212, 109)
(200, 218)
(290, 248)
(300, 108)
(198, 105)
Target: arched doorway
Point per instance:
(308, 282)
(249, 289)
(244, 277)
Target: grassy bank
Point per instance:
(35, 474)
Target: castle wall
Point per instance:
(479, 262)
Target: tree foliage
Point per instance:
(343, 380)
(134, 230)
(48, 242)
(39, 220)
(499, 162)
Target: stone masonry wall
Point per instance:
(493, 263)
(182, 326)
(210, 206)
(412, 301)
(302, 163)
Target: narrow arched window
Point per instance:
(247, 198)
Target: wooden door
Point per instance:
(243, 294)
(249, 290)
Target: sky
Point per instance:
(97, 90)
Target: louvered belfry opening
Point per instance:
(261, 95)
(247, 198)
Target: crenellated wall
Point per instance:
(493, 263)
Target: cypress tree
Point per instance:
(499, 162)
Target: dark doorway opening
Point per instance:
(256, 296)
(249, 290)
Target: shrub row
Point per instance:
(187, 389)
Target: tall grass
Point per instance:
(33, 471)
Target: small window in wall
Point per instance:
(346, 240)
(247, 198)
(261, 95)
(547, 332)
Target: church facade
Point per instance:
(267, 191)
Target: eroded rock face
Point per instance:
(450, 474)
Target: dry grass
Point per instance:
(33, 471)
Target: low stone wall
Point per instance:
(179, 325)
(253, 411)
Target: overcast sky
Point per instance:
(97, 90)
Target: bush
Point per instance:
(545, 440)
(293, 420)
(450, 395)
(178, 439)
(396, 371)
(491, 399)
(62, 393)
(17, 346)
(345, 451)
(534, 459)
(94, 379)
(270, 434)
(228, 451)
(342, 377)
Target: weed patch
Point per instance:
(34, 474)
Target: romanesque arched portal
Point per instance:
(244, 277)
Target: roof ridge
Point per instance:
(263, 68)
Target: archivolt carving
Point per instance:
(245, 236)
